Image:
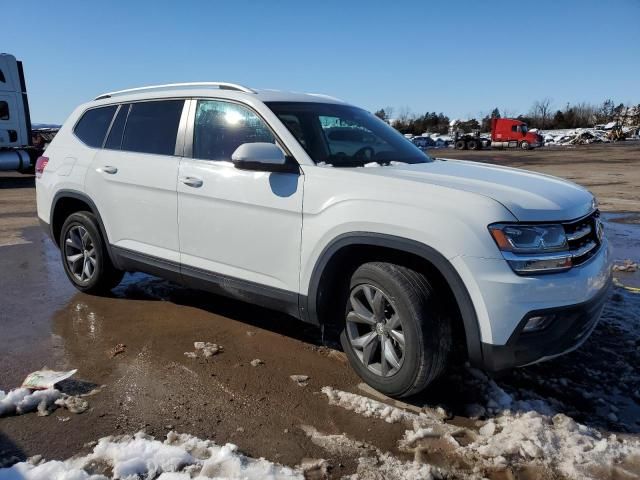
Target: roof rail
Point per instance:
(169, 86)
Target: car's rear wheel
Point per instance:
(84, 255)
(396, 334)
(525, 145)
(460, 144)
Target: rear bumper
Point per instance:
(570, 327)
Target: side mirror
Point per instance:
(265, 157)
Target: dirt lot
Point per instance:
(149, 384)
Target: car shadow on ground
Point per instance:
(10, 453)
(140, 286)
(17, 181)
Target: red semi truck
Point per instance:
(505, 133)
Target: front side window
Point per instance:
(93, 125)
(345, 136)
(152, 127)
(221, 127)
(4, 110)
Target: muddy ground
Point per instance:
(149, 384)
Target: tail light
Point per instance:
(41, 164)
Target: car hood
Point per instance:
(527, 195)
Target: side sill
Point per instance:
(250, 292)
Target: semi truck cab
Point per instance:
(510, 133)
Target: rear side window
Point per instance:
(221, 127)
(93, 125)
(152, 127)
(2, 79)
(114, 140)
(4, 110)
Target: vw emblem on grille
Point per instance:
(599, 229)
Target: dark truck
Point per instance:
(20, 144)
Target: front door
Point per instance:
(238, 228)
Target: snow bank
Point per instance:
(179, 457)
(520, 433)
(558, 442)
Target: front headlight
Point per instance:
(531, 249)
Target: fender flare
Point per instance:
(67, 193)
(435, 258)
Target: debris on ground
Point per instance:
(205, 349)
(256, 362)
(301, 380)
(117, 350)
(37, 394)
(626, 266)
(45, 379)
(250, 333)
(179, 457)
(73, 403)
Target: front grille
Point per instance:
(583, 237)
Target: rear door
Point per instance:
(237, 224)
(133, 178)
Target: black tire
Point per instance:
(426, 328)
(460, 145)
(473, 145)
(104, 275)
(525, 145)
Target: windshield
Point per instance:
(345, 136)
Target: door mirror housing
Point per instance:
(262, 156)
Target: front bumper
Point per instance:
(570, 327)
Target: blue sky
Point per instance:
(462, 57)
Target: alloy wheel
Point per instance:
(80, 253)
(375, 331)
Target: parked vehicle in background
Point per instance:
(252, 194)
(510, 133)
(20, 145)
(423, 142)
(505, 133)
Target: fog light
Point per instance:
(537, 323)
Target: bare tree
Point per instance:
(541, 111)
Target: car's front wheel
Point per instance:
(84, 255)
(396, 335)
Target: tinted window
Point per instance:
(152, 127)
(2, 79)
(4, 111)
(93, 125)
(221, 127)
(114, 140)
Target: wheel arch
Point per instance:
(65, 202)
(371, 243)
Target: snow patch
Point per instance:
(179, 457)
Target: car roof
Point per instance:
(211, 89)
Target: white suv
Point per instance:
(244, 193)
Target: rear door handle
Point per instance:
(192, 181)
(108, 169)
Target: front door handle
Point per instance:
(192, 181)
(108, 169)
